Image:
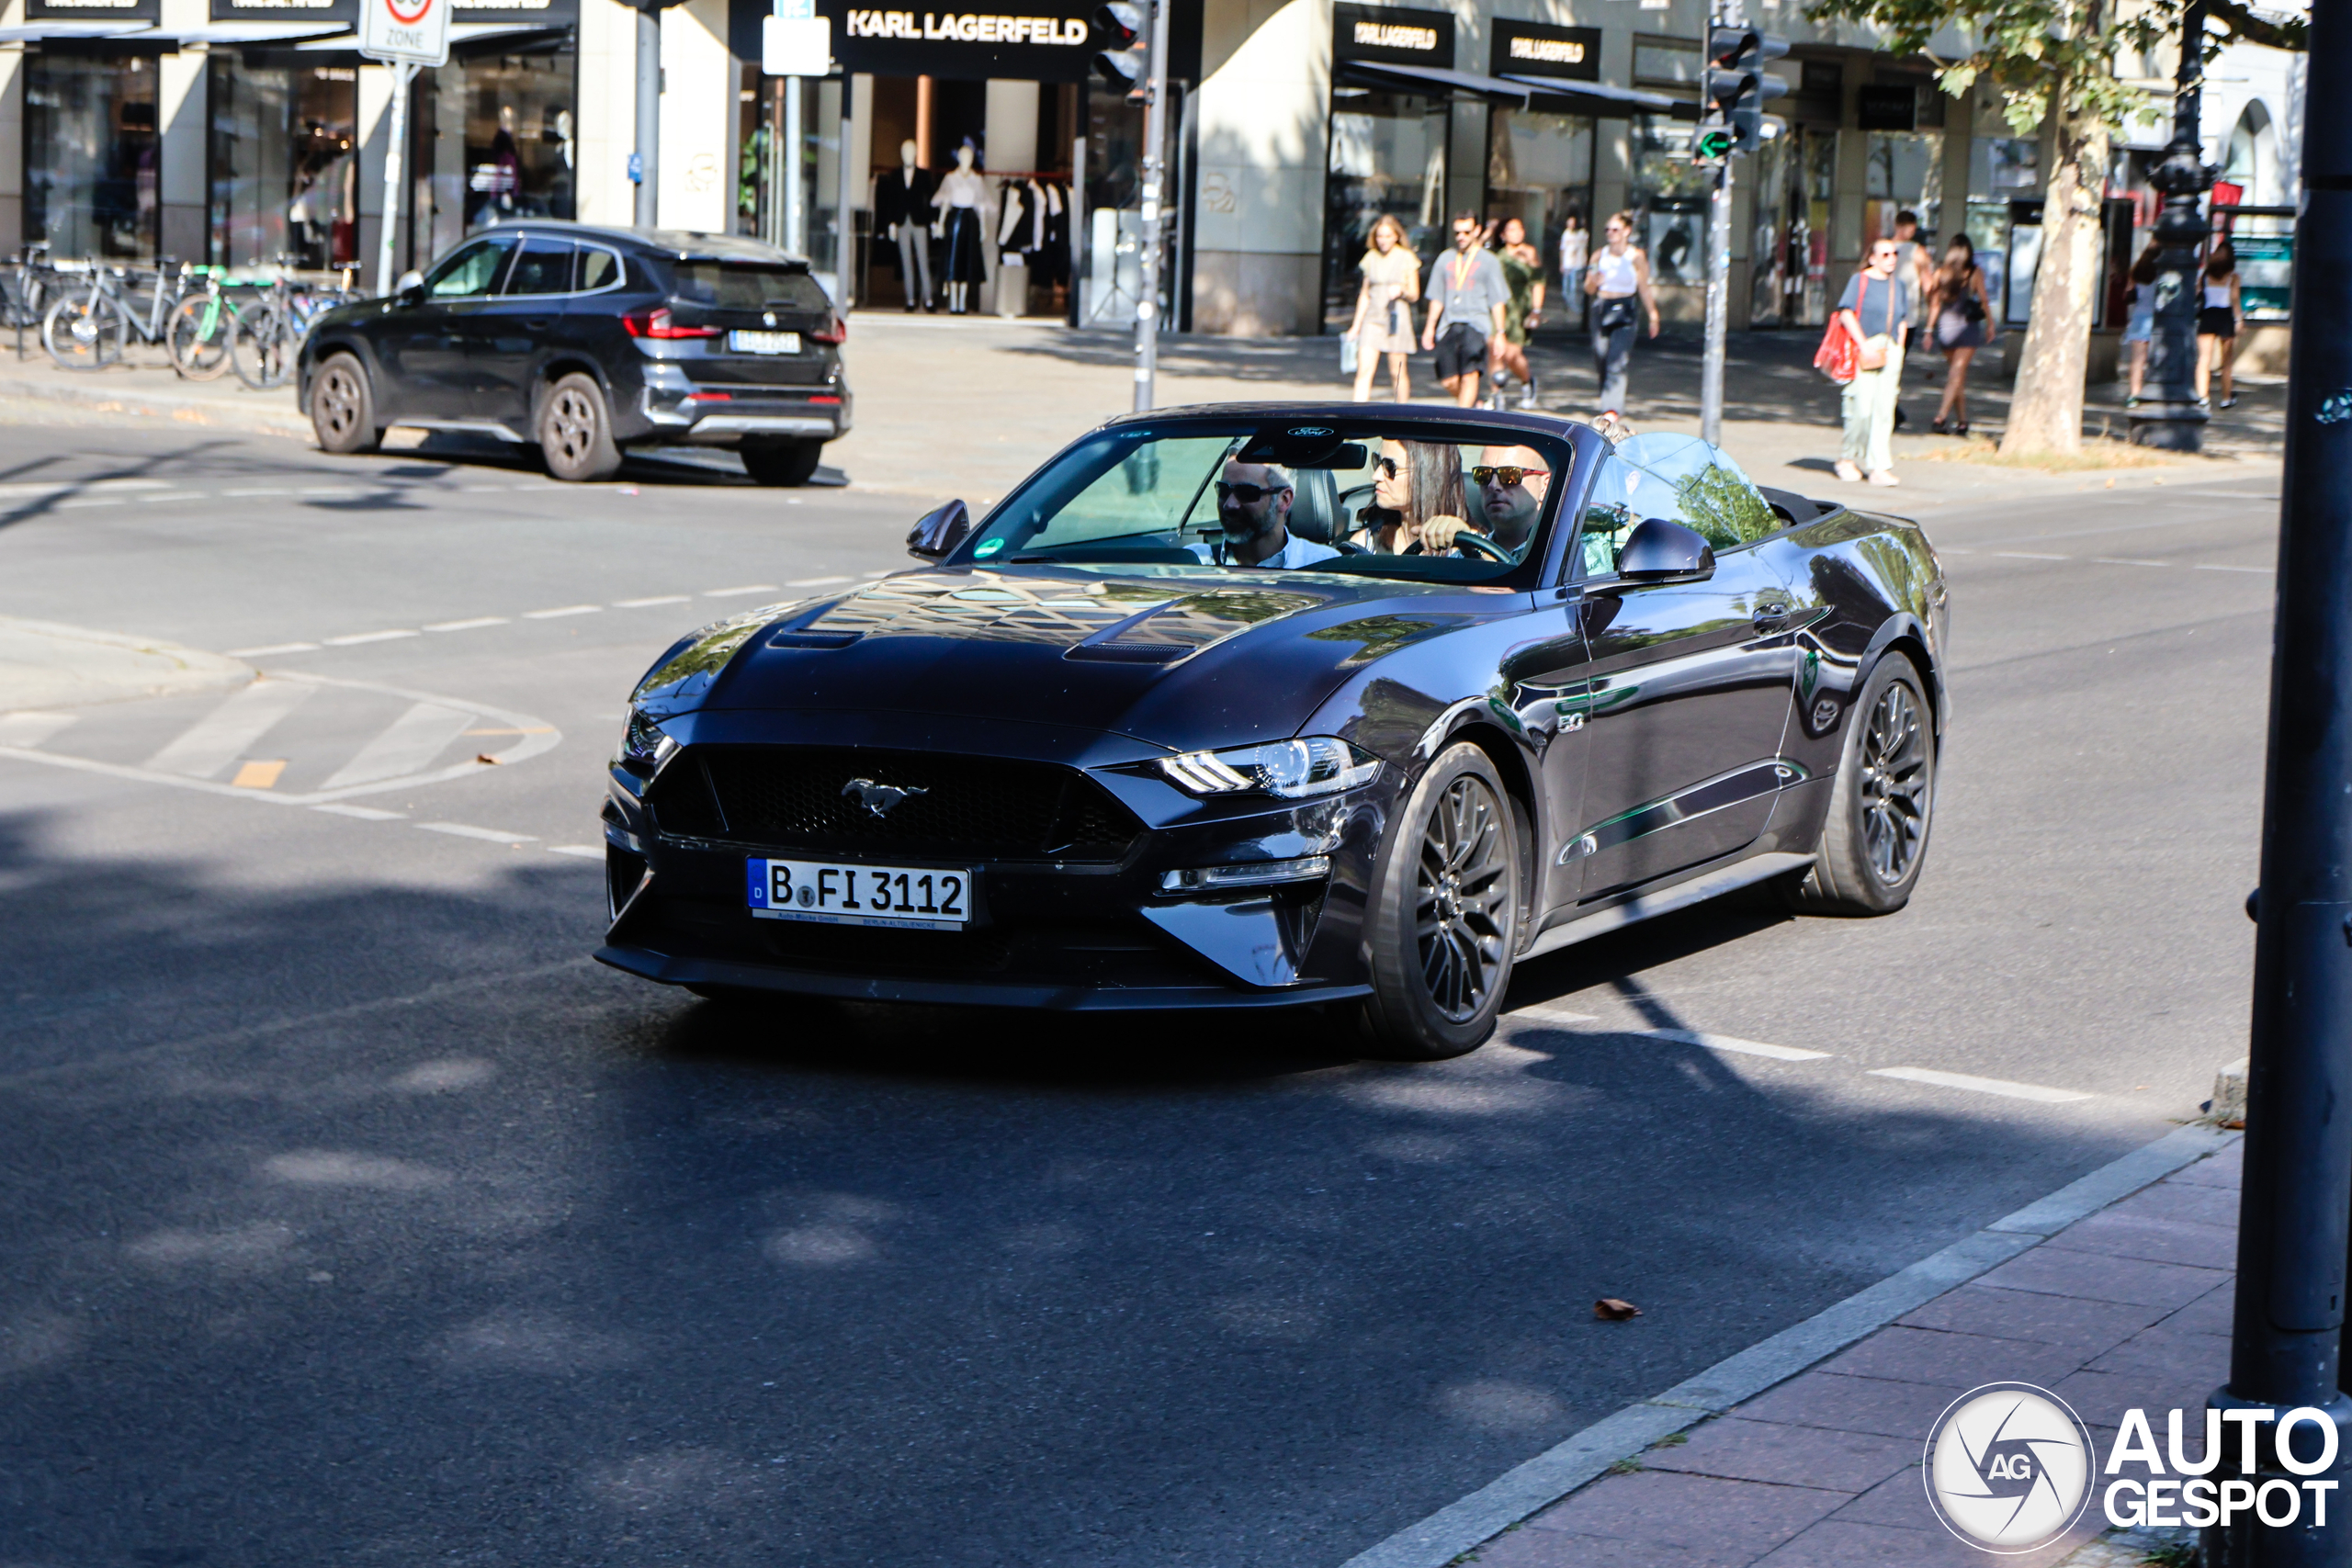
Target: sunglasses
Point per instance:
(1387, 467)
(1248, 495)
(1506, 477)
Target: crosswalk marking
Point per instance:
(2002, 1087)
(409, 746)
(219, 738)
(29, 729)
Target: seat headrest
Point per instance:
(1314, 506)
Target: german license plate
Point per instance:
(762, 343)
(927, 899)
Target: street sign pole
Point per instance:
(2288, 1328)
(404, 35)
(645, 162)
(1711, 367)
(1155, 175)
(395, 145)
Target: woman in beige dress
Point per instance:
(1383, 323)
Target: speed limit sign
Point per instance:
(415, 31)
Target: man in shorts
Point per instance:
(1467, 293)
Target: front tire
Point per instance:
(1874, 837)
(781, 462)
(1444, 924)
(576, 431)
(342, 407)
(85, 331)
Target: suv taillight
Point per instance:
(838, 329)
(656, 323)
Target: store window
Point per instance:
(520, 135)
(1668, 196)
(283, 163)
(1539, 170)
(1904, 172)
(1387, 159)
(90, 154)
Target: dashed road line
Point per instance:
(267, 490)
(2127, 560)
(2264, 571)
(562, 610)
(656, 599)
(267, 648)
(487, 835)
(1731, 1042)
(355, 639)
(364, 813)
(178, 495)
(743, 588)
(818, 582)
(583, 851)
(475, 624)
(2028, 555)
(2002, 1087)
(65, 505)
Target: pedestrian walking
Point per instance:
(1467, 297)
(1958, 307)
(2218, 320)
(1574, 242)
(1875, 310)
(1523, 275)
(1383, 320)
(1617, 282)
(2140, 326)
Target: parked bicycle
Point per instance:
(266, 338)
(88, 328)
(203, 326)
(26, 288)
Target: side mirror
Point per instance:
(410, 289)
(938, 535)
(1660, 551)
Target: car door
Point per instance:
(509, 336)
(1685, 688)
(428, 338)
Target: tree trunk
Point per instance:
(2046, 414)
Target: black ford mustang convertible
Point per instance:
(1288, 705)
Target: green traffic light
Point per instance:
(1712, 143)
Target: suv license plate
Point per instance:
(917, 899)
(762, 343)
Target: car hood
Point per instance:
(1173, 659)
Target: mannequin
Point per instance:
(962, 202)
(902, 205)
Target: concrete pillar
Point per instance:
(180, 117)
(12, 145)
(375, 131)
(1011, 126)
(607, 112)
(699, 133)
(1265, 122)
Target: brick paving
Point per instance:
(2129, 1306)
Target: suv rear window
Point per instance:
(735, 286)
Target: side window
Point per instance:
(599, 268)
(1609, 515)
(1683, 480)
(543, 266)
(470, 271)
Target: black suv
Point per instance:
(585, 340)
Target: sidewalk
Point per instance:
(2128, 1307)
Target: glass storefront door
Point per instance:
(1904, 173)
(1388, 157)
(1539, 170)
(521, 136)
(90, 155)
(1668, 196)
(283, 166)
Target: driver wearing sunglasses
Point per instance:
(1254, 509)
(1510, 483)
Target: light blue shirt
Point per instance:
(1295, 553)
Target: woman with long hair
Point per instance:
(2140, 326)
(1523, 272)
(1618, 284)
(2221, 312)
(1959, 309)
(1383, 320)
(1414, 484)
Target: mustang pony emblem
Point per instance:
(878, 798)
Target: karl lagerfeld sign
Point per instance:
(1035, 40)
(1392, 35)
(1537, 48)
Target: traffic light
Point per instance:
(1737, 87)
(1123, 61)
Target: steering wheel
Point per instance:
(1481, 545)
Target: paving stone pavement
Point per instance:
(2128, 1307)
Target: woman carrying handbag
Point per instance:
(1875, 314)
(1383, 320)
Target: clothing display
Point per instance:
(1034, 226)
(903, 195)
(963, 203)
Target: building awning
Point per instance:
(1431, 81)
(1555, 95)
(1547, 94)
(229, 33)
(464, 37)
(34, 32)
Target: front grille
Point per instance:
(979, 808)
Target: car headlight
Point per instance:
(1291, 770)
(643, 742)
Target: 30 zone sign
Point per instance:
(413, 30)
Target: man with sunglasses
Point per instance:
(1467, 295)
(1511, 482)
(1253, 506)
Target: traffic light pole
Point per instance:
(2288, 1328)
(2169, 415)
(1711, 366)
(1155, 175)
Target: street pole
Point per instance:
(2287, 1332)
(1711, 366)
(645, 164)
(395, 144)
(2169, 415)
(795, 211)
(1155, 172)
(845, 210)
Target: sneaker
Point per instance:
(1883, 477)
(1849, 472)
(2131, 402)
(2229, 403)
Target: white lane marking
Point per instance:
(364, 813)
(467, 625)
(818, 582)
(331, 490)
(407, 746)
(561, 610)
(487, 835)
(30, 727)
(270, 648)
(2127, 560)
(1554, 1015)
(266, 490)
(885, 572)
(221, 737)
(358, 637)
(743, 588)
(656, 599)
(2264, 571)
(64, 505)
(1980, 1085)
(51, 487)
(173, 495)
(2028, 555)
(1731, 1042)
(585, 851)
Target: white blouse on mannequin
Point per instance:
(962, 187)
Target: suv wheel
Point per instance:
(342, 407)
(576, 430)
(781, 462)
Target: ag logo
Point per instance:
(2008, 1467)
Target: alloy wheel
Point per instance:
(1459, 920)
(1895, 786)
(338, 399)
(572, 422)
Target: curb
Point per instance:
(1469, 1522)
(138, 401)
(43, 665)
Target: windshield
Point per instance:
(1440, 502)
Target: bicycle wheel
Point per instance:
(85, 331)
(261, 346)
(198, 337)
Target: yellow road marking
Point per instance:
(258, 775)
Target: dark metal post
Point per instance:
(1155, 203)
(2293, 1226)
(2169, 414)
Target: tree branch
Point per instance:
(2252, 26)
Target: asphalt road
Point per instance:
(354, 1216)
